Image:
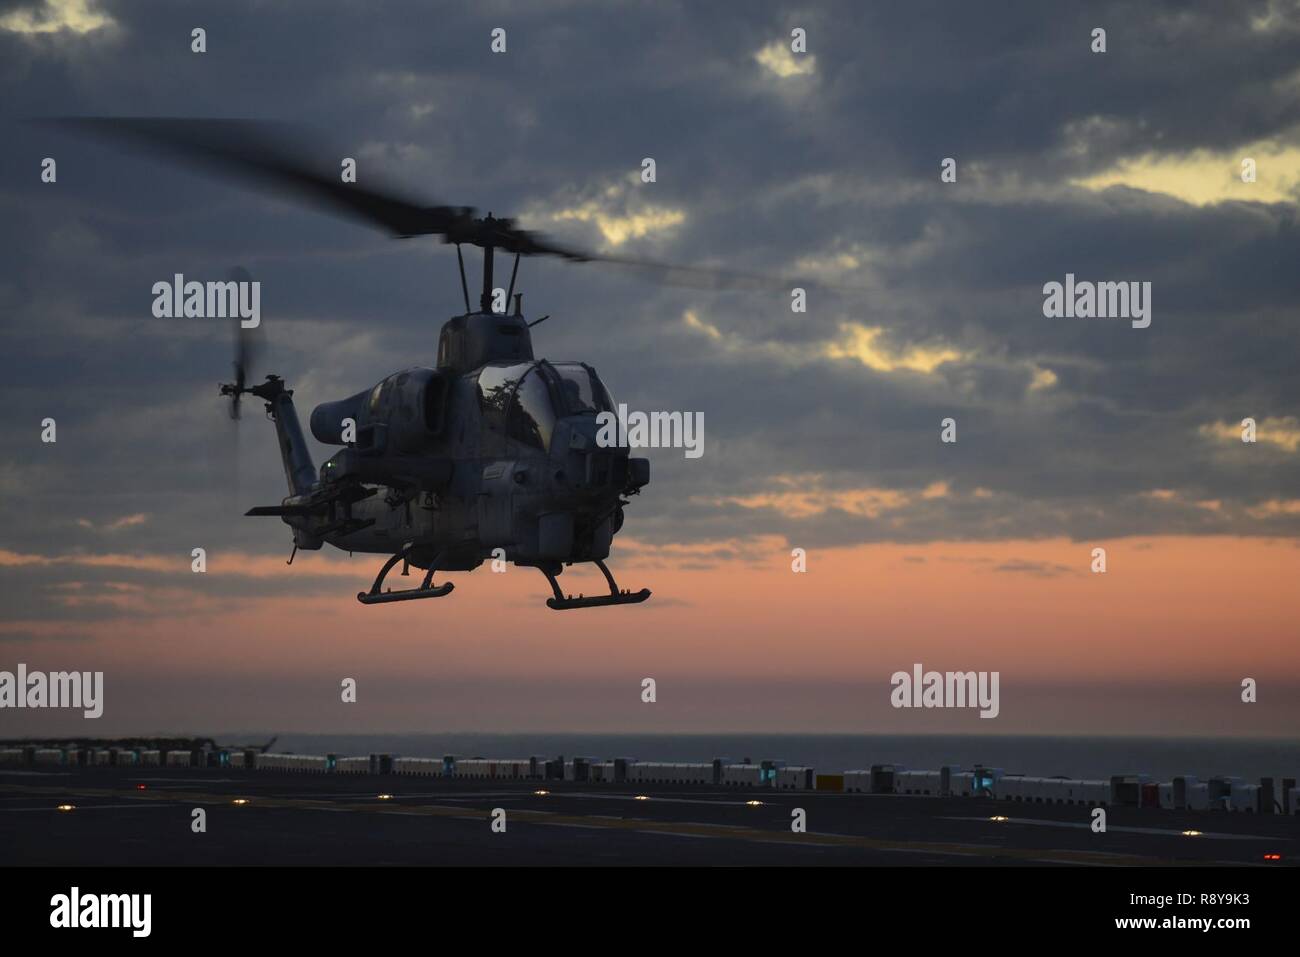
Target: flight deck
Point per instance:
(145, 816)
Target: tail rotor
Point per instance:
(246, 356)
(247, 345)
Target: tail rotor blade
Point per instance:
(247, 348)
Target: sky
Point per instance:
(822, 428)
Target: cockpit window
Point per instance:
(532, 417)
(582, 389)
(516, 400)
(496, 384)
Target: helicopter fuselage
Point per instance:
(491, 455)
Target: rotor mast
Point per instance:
(483, 236)
(485, 300)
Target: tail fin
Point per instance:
(298, 468)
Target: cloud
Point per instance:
(853, 342)
(1275, 507)
(1043, 379)
(621, 210)
(696, 324)
(861, 343)
(806, 496)
(616, 229)
(1280, 431)
(1037, 569)
(869, 502)
(54, 16)
(713, 554)
(218, 564)
(777, 58)
(126, 521)
(1203, 176)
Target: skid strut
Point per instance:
(425, 590)
(615, 597)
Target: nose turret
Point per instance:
(592, 468)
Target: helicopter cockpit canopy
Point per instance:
(582, 389)
(524, 400)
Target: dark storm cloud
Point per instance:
(772, 174)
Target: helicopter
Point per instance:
(491, 453)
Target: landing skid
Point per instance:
(426, 589)
(562, 602)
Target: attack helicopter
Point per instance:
(490, 453)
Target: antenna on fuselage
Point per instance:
(510, 293)
(464, 287)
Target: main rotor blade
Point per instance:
(259, 153)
